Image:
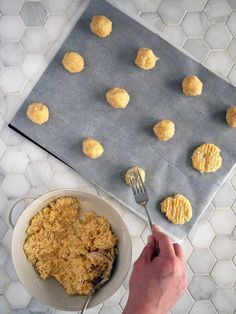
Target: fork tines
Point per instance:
(137, 183)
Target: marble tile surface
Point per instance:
(184, 304)
(207, 261)
(19, 300)
(203, 307)
(220, 62)
(223, 247)
(202, 287)
(224, 273)
(146, 6)
(29, 32)
(227, 216)
(218, 36)
(15, 31)
(232, 75)
(33, 13)
(231, 23)
(12, 54)
(194, 6)
(34, 40)
(11, 7)
(194, 24)
(231, 49)
(202, 235)
(172, 11)
(197, 47)
(217, 11)
(175, 34)
(225, 300)
(12, 80)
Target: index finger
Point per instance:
(164, 243)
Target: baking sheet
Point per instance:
(78, 109)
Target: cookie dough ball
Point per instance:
(231, 116)
(92, 148)
(73, 62)
(177, 209)
(192, 86)
(164, 130)
(131, 173)
(38, 113)
(117, 97)
(101, 26)
(146, 59)
(206, 158)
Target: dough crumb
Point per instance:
(231, 116)
(177, 209)
(117, 97)
(146, 59)
(164, 130)
(192, 86)
(101, 26)
(73, 62)
(38, 113)
(92, 148)
(129, 175)
(206, 158)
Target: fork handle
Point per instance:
(149, 220)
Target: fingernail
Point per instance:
(150, 239)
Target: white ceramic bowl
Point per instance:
(49, 291)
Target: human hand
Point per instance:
(158, 279)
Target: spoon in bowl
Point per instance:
(100, 281)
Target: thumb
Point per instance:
(149, 250)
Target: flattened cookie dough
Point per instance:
(117, 97)
(38, 113)
(73, 62)
(146, 59)
(101, 26)
(231, 116)
(177, 209)
(92, 148)
(130, 174)
(164, 130)
(192, 86)
(206, 158)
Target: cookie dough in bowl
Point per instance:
(146, 59)
(73, 248)
(73, 62)
(38, 113)
(49, 290)
(117, 97)
(101, 25)
(231, 116)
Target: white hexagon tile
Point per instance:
(33, 13)
(206, 29)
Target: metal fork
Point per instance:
(140, 194)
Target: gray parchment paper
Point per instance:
(78, 109)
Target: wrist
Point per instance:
(142, 308)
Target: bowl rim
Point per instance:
(53, 193)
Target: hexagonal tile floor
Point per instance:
(29, 31)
